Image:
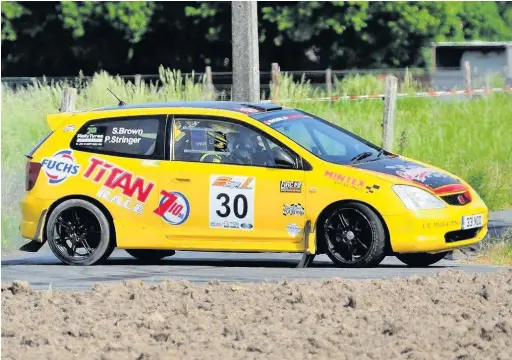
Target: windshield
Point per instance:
(323, 139)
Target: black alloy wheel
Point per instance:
(79, 233)
(354, 236)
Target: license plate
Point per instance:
(472, 221)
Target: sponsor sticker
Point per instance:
(283, 118)
(173, 207)
(372, 189)
(293, 209)
(291, 186)
(121, 201)
(60, 166)
(416, 173)
(293, 230)
(114, 177)
(94, 137)
(231, 204)
(247, 110)
(440, 224)
(68, 128)
(344, 180)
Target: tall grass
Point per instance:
(467, 136)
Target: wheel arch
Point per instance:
(320, 240)
(93, 201)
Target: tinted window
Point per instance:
(217, 141)
(327, 141)
(134, 137)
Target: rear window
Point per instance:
(141, 137)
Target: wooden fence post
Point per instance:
(328, 81)
(389, 112)
(68, 100)
(209, 81)
(275, 81)
(467, 75)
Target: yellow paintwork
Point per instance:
(409, 231)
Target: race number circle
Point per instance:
(179, 210)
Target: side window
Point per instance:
(141, 137)
(217, 141)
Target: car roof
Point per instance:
(242, 107)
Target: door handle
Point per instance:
(181, 179)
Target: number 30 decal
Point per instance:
(235, 205)
(231, 202)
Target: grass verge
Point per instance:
(497, 252)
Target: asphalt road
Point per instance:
(44, 271)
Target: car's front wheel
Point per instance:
(78, 233)
(354, 235)
(421, 259)
(149, 255)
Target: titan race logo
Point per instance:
(60, 166)
(113, 177)
(174, 207)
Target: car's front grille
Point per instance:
(457, 199)
(460, 235)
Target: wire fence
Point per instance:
(446, 79)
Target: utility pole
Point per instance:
(245, 63)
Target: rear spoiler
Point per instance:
(56, 120)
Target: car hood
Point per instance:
(432, 178)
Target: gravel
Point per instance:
(451, 315)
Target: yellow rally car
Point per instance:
(239, 177)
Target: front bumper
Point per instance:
(33, 213)
(435, 230)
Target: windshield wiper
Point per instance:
(361, 156)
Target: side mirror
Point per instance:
(283, 158)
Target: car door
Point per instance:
(224, 190)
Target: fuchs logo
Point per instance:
(112, 177)
(60, 166)
(174, 207)
(291, 186)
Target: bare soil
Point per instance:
(451, 315)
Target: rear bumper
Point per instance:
(33, 215)
(435, 230)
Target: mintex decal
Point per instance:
(94, 137)
(113, 177)
(344, 180)
(291, 186)
(173, 207)
(293, 209)
(60, 166)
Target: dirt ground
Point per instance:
(451, 315)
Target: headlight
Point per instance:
(415, 198)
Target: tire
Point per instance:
(149, 255)
(421, 259)
(373, 237)
(99, 237)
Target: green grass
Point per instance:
(497, 251)
(470, 138)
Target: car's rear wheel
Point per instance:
(421, 259)
(354, 236)
(78, 233)
(149, 255)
